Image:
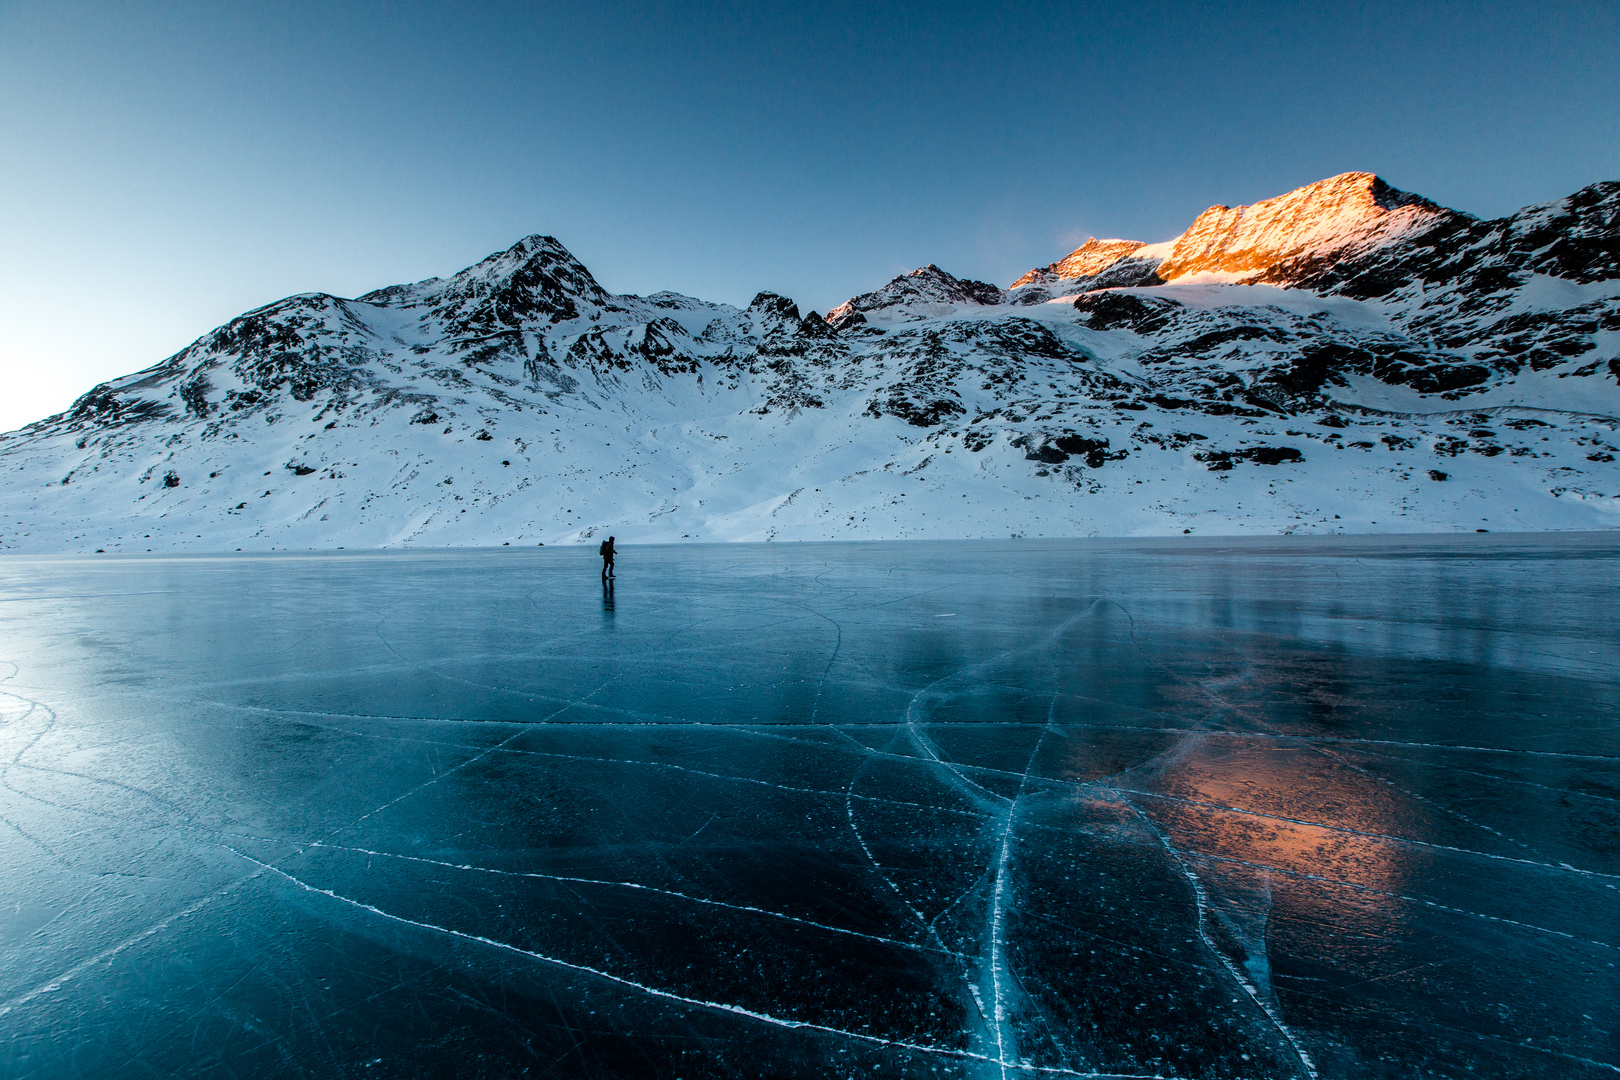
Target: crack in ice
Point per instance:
(670, 995)
(639, 887)
(1201, 904)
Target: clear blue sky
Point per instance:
(165, 166)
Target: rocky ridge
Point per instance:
(1086, 261)
(927, 292)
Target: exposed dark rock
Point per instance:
(1052, 449)
(105, 408)
(1223, 460)
(194, 392)
(816, 326)
(1127, 311)
(845, 319)
(1270, 455)
(769, 303)
(917, 410)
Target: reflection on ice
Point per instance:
(1084, 809)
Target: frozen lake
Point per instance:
(1183, 808)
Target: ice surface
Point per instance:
(1281, 808)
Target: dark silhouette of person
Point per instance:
(606, 551)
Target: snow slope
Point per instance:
(1382, 364)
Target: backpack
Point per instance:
(604, 550)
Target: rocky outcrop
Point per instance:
(1574, 239)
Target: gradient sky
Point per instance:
(166, 166)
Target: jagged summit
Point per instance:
(536, 278)
(1087, 260)
(1576, 237)
(534, 254)
(1351, 209)
(1332, 219)
(925, 292)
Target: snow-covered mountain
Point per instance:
(1344, 357)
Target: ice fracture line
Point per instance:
(669, 995)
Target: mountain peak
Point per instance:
(923, 293)
(536, 256)
(538, 265)
(537, 279)
(1333, 218)
(1091, 257)
(1241, 240)
(538, 241)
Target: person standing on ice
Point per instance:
(606, 551)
